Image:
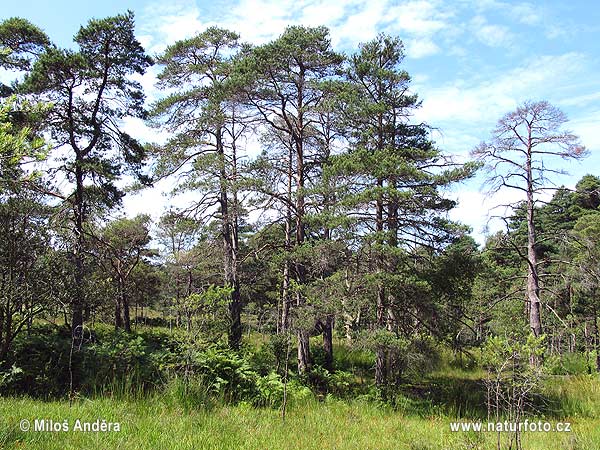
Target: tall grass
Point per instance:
(157, 423)
(574, 396)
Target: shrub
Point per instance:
(223, 372)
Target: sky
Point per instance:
(471, 61)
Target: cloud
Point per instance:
(481, 211)
(361, 24)
(420, 17)
(162, 24)
(490, 35)
(526, 13)
(138, 129)
(484, 212)
(420, 48)
(419, 22)
(470, 102)
(258, 21)
(581, 100)
(587, 129)
(323, 12)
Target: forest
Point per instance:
(313, 291)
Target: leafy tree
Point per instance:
(20, 43)
(178, 234)
(27, 286)
(20, 144)
(587, 194)
(145, 289)
(452, 277)
(586, 243)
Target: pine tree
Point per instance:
(91, 91)
(209, 122)
(391, 178)
(282, 81)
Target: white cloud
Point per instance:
(420, 48)
(163, 24)
(490, 35)
(587, 129)
(323, 13)
(138, 129)
(581, 100)
(526, 13)
(361, 25)
(259, 21)
(418, 17)
(468, 102)
(484, 212)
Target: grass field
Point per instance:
(332, 424)
(172, 416)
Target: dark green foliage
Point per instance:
(111, 362)
(20, 44)
(102, 67)
(20, 40)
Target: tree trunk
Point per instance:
(533, 284)
(328, 341)
(6, 331)
(596, 340)
(285, 299)
(77, 301)
(126, 316)
(118, 314)
(348, 319)
(381, 354)
(230, 244)
(304, 360)
(285, 287)
(303, 351)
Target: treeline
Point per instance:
(318, 207)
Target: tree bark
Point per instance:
(304, 359)
(328, 341)
(533, 284)
(126, 314)
(285, 287)
(381, 354)
(118, 314)
(230, 247)
(77, 301)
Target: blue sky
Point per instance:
(471, 61)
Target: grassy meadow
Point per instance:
(154, 424)
(175, 416)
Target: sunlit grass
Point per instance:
(155, 424)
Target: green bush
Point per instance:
(108, 362)
(223, 372)
(42, 354)
(570, 364)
